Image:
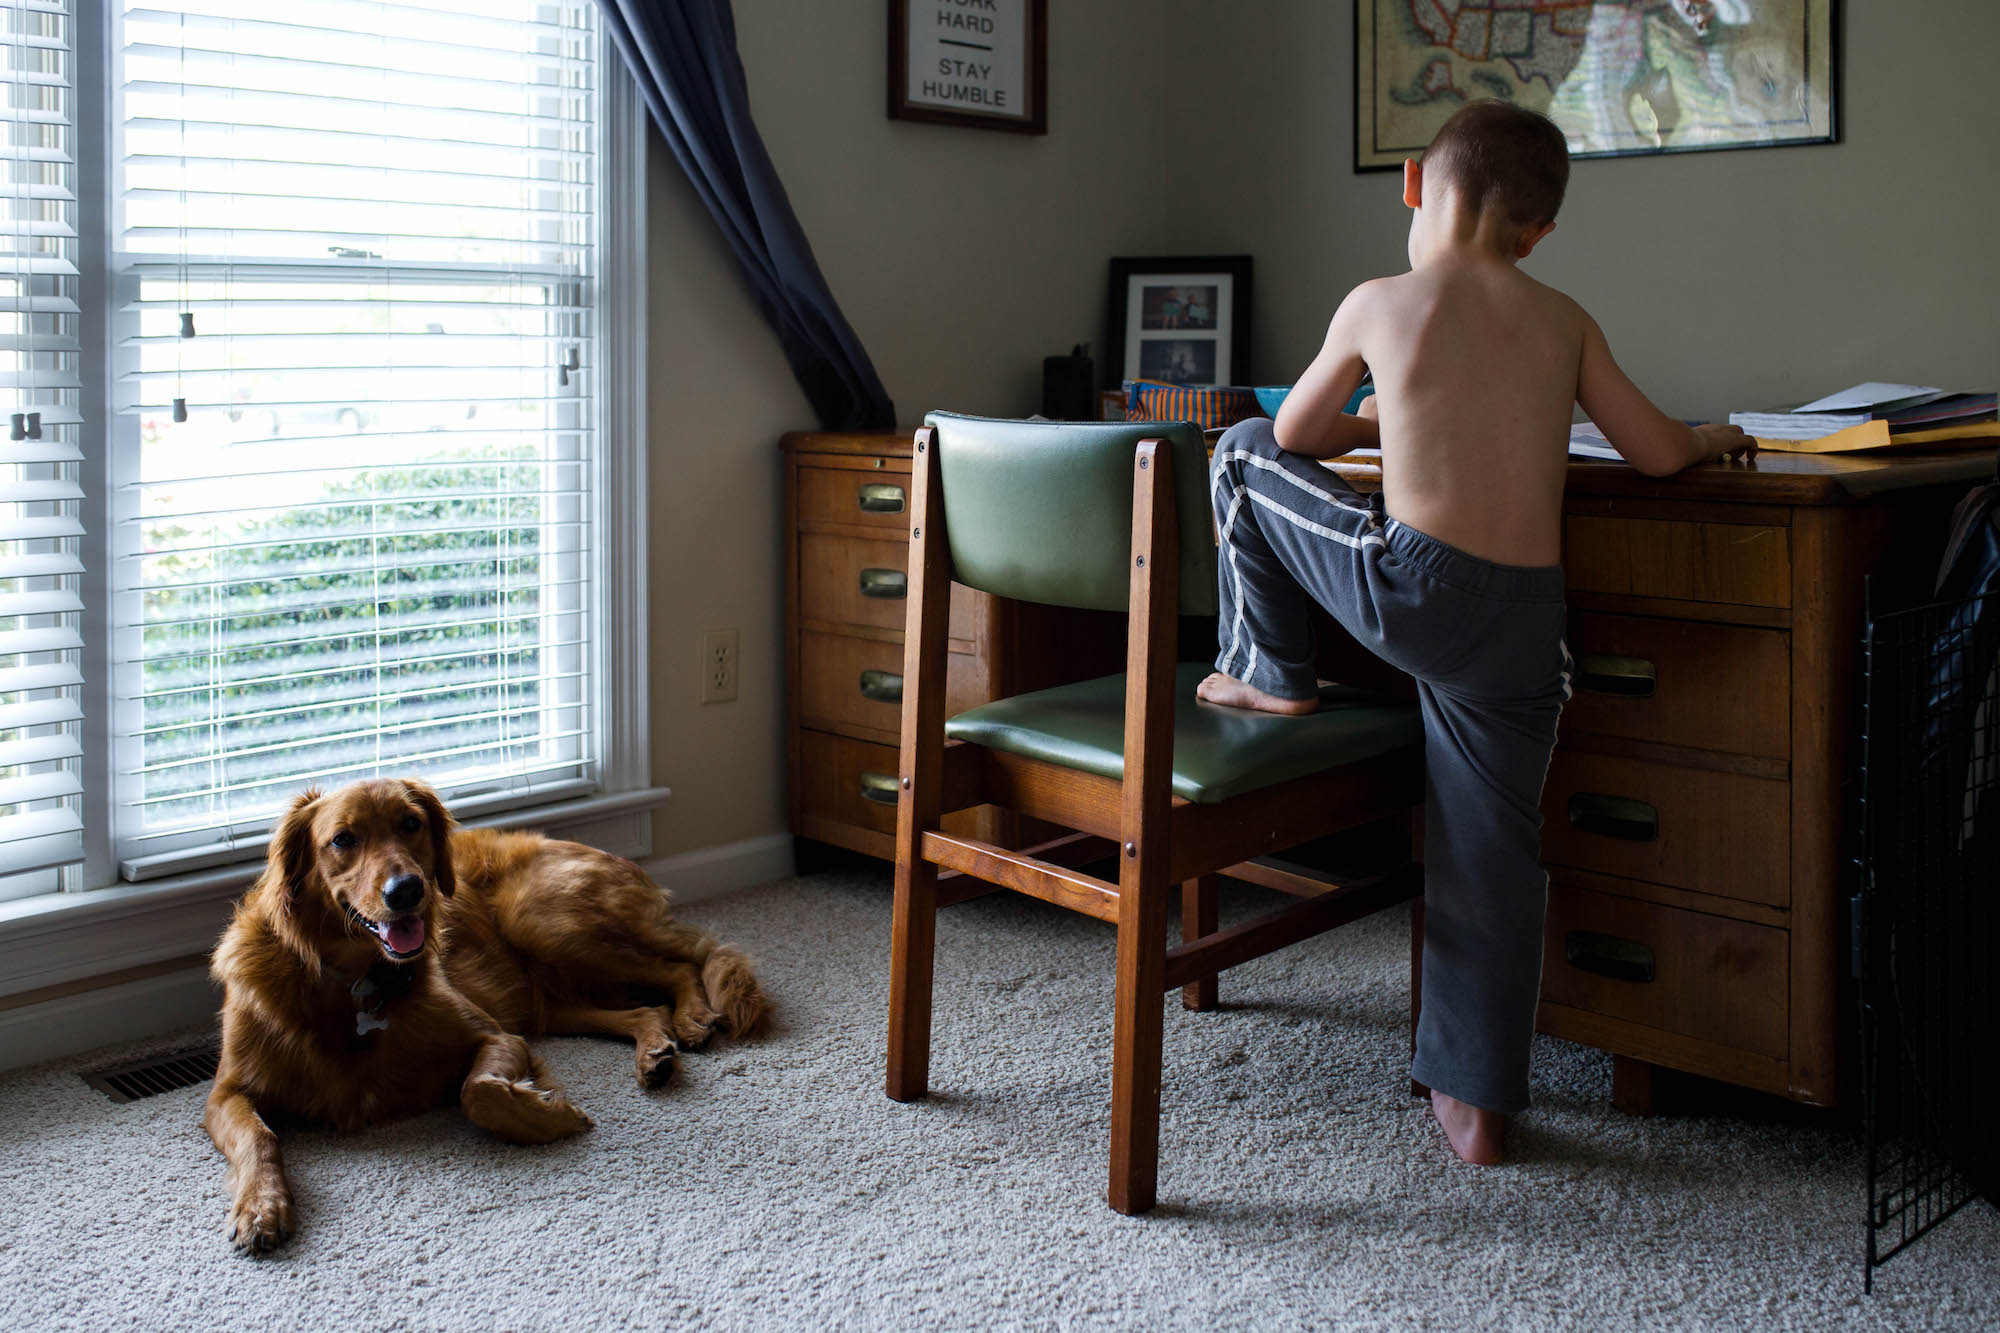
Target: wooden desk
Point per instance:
(1694, 809)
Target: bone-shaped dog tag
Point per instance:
(365, 1023)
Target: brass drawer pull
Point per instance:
(884, 687)
(1614, 816)
(879, 788)
(879, 497)
(1608, 956)
(888, 584)
(1604, 673)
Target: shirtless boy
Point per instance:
(1450, 573)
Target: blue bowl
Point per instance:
(1271, 397)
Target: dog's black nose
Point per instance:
(403, 893)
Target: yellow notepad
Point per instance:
(1875, 435)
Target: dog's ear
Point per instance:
(291, 861)
(292, 857)
(441, 825)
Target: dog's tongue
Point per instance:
(405, 934)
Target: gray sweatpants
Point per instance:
(1485, 644)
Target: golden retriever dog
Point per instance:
(387, 962)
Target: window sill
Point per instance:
(56, 938)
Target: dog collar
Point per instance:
(372, 991)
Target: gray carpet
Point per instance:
(775, 1187)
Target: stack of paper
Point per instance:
(1874, 415)
(1587, 441)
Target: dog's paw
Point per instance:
(260, 1220)
(694, 1030)
(659, 1062)
(521, 1112)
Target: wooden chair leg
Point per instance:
(1136, 1038)
(912, 950)
(1146, 802)
(913, 937)
(1198, 918)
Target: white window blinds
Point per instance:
(353, 515)
(40, 525)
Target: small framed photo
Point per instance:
(982, 63)
(1184, 320)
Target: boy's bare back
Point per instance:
(1477, 366)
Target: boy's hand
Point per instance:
(1723, 441)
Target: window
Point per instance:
(41, 529)
(355, 510)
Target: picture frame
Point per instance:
(1184, 319)
(982, 64)
(1620, 81)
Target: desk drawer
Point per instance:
(1706, 977)
(851, 781)
(1737, 563)
(854, 581)
(851, 581)
(846, 495)
(847, 682)
(1707, 832)
(854, 782)
(1708, 687)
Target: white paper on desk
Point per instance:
(1867, 397)
(1796, 425)
(1587, 441)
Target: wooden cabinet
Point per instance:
(847, 534)
(1693, 812)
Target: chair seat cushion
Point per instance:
(1218, 752)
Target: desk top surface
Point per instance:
(1771, 478)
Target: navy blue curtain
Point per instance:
(682, 54)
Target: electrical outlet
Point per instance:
(719, 649)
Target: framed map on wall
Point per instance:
(1618, 76)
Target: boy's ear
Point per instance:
(1413, 183)
(1532, 238)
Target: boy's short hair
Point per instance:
(1504, 154)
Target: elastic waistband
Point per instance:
(1448, 564)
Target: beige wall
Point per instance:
(1723, 280)
(961, 257)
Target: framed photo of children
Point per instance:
(982, 63)
(1184, 320)
(1618, 79)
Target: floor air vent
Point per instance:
(150, 1078)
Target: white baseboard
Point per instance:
(711, 872)
(32, 1033)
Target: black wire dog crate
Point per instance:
(1926, 927)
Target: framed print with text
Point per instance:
(981, 63)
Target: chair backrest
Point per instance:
(1041, 511)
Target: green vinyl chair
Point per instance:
(1115, 517)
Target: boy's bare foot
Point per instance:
(1233, 693)
(1474, 1134)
